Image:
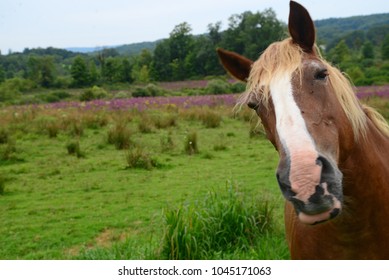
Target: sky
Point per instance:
(97, 23)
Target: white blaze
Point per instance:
(295, 138)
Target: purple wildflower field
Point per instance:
(142, 103)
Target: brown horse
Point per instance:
(334, 167)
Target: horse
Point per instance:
(333, 150)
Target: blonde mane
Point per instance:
(286, 57)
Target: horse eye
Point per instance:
(321, 74)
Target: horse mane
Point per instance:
(285, 57)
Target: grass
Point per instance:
(56, 206)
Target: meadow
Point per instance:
(145, 178)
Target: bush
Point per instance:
(237, 87)
(221, 223)
(12, 88)
(138, 158)
(56, 96)
(148, 91)
(93, 93)
(190, 144)
(217, 87)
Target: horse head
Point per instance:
(309, 118)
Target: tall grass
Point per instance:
(223, 223)
(190, 144)
(120, 136)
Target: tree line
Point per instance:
(364, 54)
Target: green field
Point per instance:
(168, 183)
(101, 200)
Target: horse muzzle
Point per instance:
(313, 185)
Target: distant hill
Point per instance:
(329, 30)
(128, 49)
(87, 49)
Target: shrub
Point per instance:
(237, 87)
(190, 144)
(93, 93)
(221, 223)
(147, 91)
(138, 158)
(217, 87)
(120, 136)
(56, 96)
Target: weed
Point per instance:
(190, 144)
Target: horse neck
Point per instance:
(366, 171)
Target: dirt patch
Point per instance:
(105, 239)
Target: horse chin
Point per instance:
(321, 217)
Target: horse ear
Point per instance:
(238, 66)
(301, 27)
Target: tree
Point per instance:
(41, 70)
(80, 73)
(126, 70)
(160, 69)
(368, 50)
(251, 33)
(340, 53)
(385, 48)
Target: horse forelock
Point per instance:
(286, 57)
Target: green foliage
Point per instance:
(217, 87)
(13, 88)
(80, 72)
(93, 93)
(385, 48)
(219, 224)
(148, 90)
